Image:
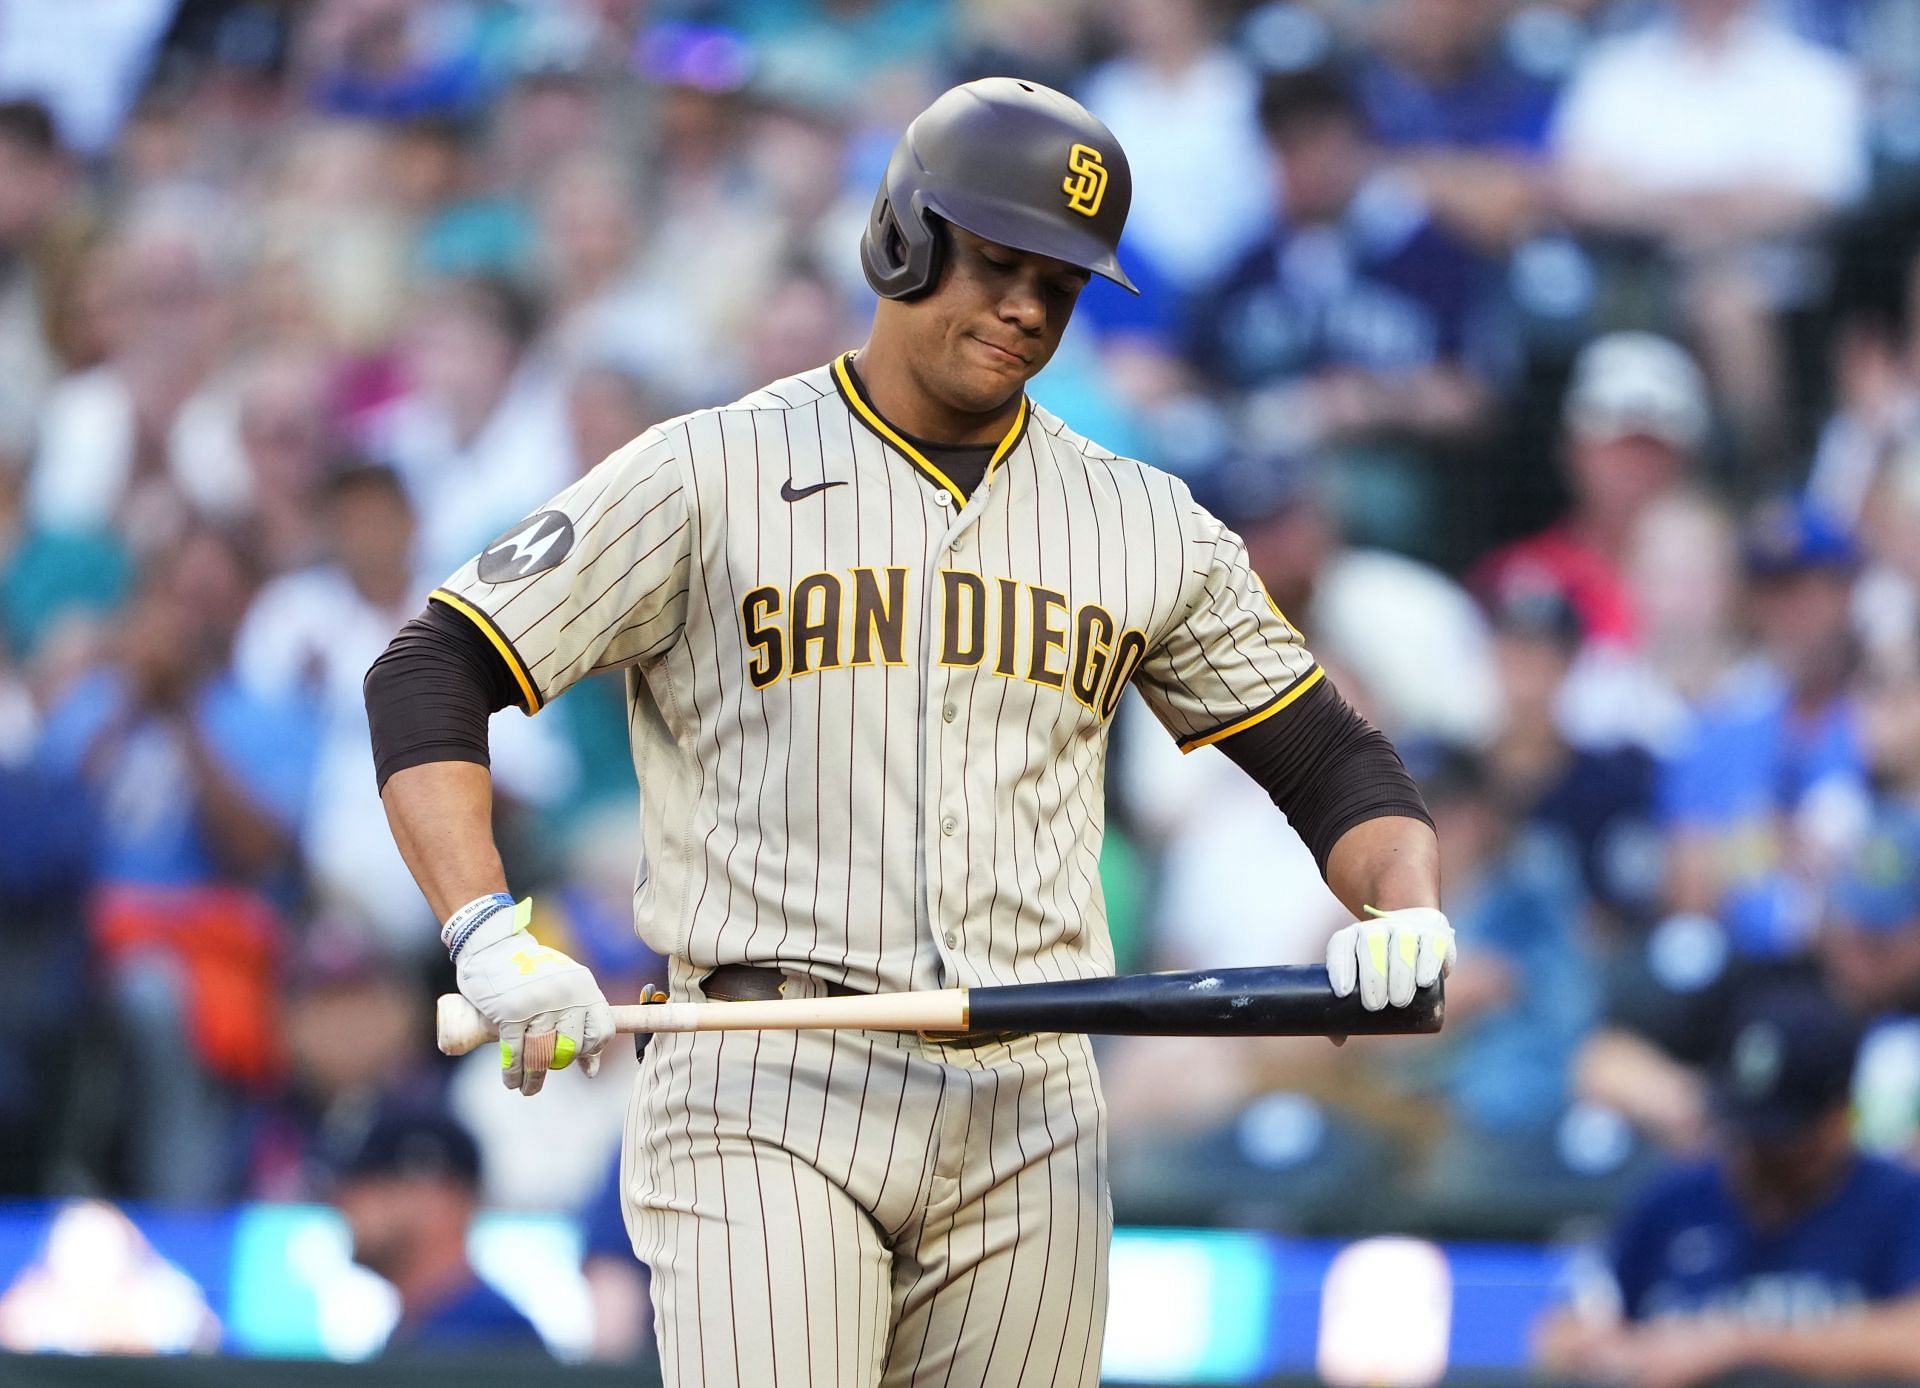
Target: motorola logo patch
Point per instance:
(533, 546)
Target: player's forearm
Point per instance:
(441, 814)
(1386, 863)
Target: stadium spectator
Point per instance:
(1787, 1250)
(1686, 587)
(198, 787)
(605, 305)
(408, 1190)
(307, 640)
(46, 836)
(351, 1017)
(1722, 139)
(1183, 107)
(1361, 317)
(1886, 601)
(386, 60)
(286, 432)
(1874, 360)
(1636, 416)
(1869, 952)
(1518, 1005)
(45, 230)
(1595, 803)
(1444, 94)
(145, 440)
(1772, 780)
(479, 434)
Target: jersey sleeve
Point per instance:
(1232, 659)
(596, 579)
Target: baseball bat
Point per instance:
(1275, 1000)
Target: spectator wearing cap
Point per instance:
(1364, 317)
(1788, 1249)
(408, 1191)
(1775, 767)
(1636, 415)
(351, 1018)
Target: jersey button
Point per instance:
(949, 713)
(949, 825)
(953, 939)
(943, 498)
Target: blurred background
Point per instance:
(1557, 360)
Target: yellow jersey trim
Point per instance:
(850, 391)
(1299, 687)
(500, 643)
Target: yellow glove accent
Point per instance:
(563, 1053)
(1410, 948)
(506, 1056)
(1377, 949)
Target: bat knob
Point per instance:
(459, 1026)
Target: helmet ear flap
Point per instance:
(899, 253)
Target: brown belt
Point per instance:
(757, 983)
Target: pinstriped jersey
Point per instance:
(869, 712)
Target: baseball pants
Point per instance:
(871, 1209)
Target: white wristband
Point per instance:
(462, 923)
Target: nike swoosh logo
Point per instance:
(789, 492)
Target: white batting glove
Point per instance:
(547, 1006)
(1390, 955)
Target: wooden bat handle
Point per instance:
(461, 1026)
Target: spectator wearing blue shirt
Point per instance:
(1371, 320)
(1788, 1250)
(1519, 1003)
(1779, 751)
(1444, 93)
(196, 788)
(408, 1189)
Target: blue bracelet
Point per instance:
(469, 918)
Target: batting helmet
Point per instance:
(1012, 161)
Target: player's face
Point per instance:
(994, 321)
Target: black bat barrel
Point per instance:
(1279, 1000)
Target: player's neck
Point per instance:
(888, 382)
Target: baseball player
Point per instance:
(874, 620)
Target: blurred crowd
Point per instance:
(1558, 361)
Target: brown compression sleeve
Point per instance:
(1326, 767)
(431, 691)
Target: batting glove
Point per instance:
(547, 1006)
(1391, 955)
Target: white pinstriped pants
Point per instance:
(871, 1210)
